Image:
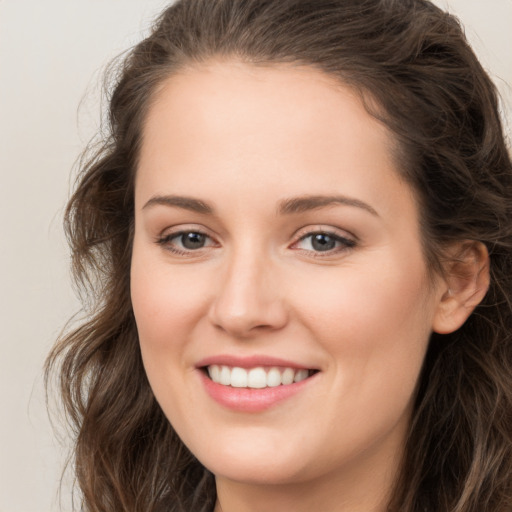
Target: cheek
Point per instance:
(167, 305)
(164, 299)
(365, 298)
(374, 322)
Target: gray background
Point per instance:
(52, 54)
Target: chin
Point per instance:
(253, 455)
(258, 471)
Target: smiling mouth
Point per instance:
(256, 378)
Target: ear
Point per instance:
(465, 283)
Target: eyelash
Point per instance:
(166, 241)
(344, 243)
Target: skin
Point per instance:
(244, 139)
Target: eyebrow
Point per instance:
(306, 203)
(187, 203)
(286, 206)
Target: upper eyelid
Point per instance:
(334, 234)
(168, 234)
(300, 234)
(184, 228)
(348, 242)
(329, 230)
(165, 240)
(176, 234)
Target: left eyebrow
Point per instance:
(185, 203)
(305, 203)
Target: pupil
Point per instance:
(193, 240)
(322, 242)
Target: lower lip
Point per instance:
(251, 400)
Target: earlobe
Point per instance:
(466, 281)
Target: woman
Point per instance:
(298, 242)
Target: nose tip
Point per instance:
(248, 301)
(242, 323)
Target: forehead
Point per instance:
(285, 100)
(263, 129)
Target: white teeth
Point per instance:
(287, 377)
(225, 376)
(239, 378)
(300, 375)
(273, 378)
(256, 378)
(214, 372)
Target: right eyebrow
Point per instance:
(305, 203)
(187, 203)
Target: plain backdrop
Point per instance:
(52, 54)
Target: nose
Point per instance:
(248, 298)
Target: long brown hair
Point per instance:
(411, 60)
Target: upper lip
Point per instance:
(249, 362)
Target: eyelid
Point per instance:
(328, 230)
(348, 240)
(184, 228)
(164, 238)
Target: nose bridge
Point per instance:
(248, 296)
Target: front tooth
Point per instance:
(257, 378)
(287, 377)
(214, 372)
(273, 378)
(225, 376)
(301, 375)
(238, 377)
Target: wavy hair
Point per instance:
(411, 60)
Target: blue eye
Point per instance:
(185, 241)
(324, 242)
(192, 240)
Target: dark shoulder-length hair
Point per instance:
(412, 66)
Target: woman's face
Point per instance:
(275, 241)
